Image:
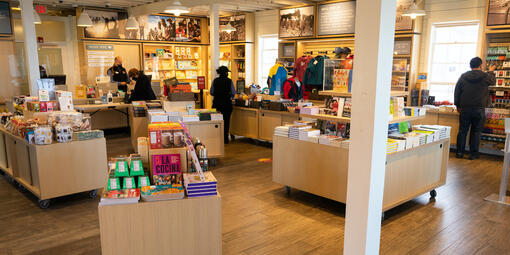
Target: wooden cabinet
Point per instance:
(245, 122)
(452, 120)
(268, 120)
(210, 134)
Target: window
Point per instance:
(452, 47)
(268, 53)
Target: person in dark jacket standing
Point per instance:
(119, 74)
(143, 89)
(223, 91)
(471, 99)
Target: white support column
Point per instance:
(214, 15)
(375, 32)
(31, 55)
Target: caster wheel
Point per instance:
(44, 204)
(433, 193)
(93, 193)
(21, 188)
(287, 190)
(232, 137)
(2, 173)
(212, 161)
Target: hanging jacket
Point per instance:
(276, 78)
(314, 73)
(292, 90)
(301, 65)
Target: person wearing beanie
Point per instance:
(223, 91)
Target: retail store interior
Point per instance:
(254, 127)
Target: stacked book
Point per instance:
(305, 134)
(392, 146)
(443, 132)
(294, 130)
(331, 140)
(346, 144)
(120, 197)
(282, 131)
(195, 187)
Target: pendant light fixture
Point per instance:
(414, 11)
(84, 20)
(132, 24)
(37, 18)
(177, 8)
(229, 28)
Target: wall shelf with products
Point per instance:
(164, 61)
(234, 56)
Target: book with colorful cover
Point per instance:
(116, 197)
(347, 108)
(194, 180)
(162, 192)
(166, 169)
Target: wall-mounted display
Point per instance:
(498, 12)
(336, 18)
(239, 23)
(403, 23)
(112, 25)
(5, 19)
(297, 22)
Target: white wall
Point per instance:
(266, 23)
(449, 11)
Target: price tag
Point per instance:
(122, 167)
(500, 93)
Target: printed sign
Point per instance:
(201, 82)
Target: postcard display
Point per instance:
(138, 194)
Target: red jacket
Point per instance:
(300, 66)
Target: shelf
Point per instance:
(159, 58)
(186, 69)
(325, 117)
(348, 94)
(495, 136)
(239, 59)
(405, 119)
(288, 57)
(401, 56)
(499, 87)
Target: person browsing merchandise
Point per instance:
(143, 90)
(471, 99)
(119, 74)
(223, 91)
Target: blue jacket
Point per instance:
(277, 76)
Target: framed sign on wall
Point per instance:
(5, 19)
(297, 22)
(336, 18)
(498, 13)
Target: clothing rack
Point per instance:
(323, 52)
(308, 52)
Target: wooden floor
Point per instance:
(259, 218)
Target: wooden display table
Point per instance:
(269, 120)
(138, 127)
(322, 170)
(185, 226)
(106, 116)
(54, 170)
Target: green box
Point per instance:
(129, 183)
(143, 181)
(113, 184)
(136, 168)
(121, 169)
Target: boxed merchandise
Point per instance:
(190, 118)
(166, 135)
(43, 135)
(121, 168)
(162, 192)
(65, 100)
(113, 184)
(309, 110)
(143, 181)
(282, 131)
(128, 183)
(64, 133)
(216, 116)
(136, 167)
(155, 117)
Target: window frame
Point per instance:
(261, 50)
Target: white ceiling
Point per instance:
(198, 7)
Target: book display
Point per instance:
(137, 194)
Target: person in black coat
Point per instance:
(223, 91)
(143, 90)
